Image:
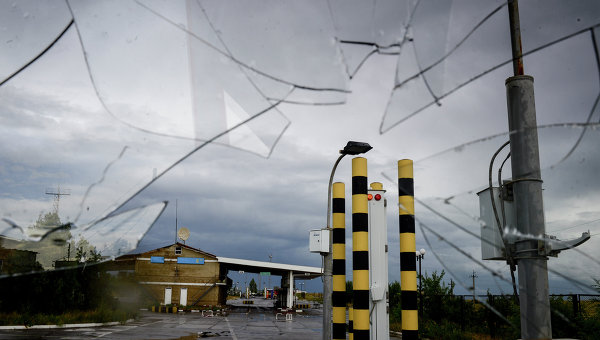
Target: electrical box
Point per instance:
(318, 241)
(492, 246)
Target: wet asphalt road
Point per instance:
(254, 325)
(256, 322)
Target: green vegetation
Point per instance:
(95, 316)
(252, 286)
(59, 297)
(449, 316)
(316, 297)
(79, 290)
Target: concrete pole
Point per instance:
(290, 297)
(527, 188)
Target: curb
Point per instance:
(67, 325)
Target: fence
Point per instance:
(578, 301)
(572, 314)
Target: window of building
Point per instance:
(177, 250)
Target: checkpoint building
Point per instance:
(181, 275)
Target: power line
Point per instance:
(575, 226)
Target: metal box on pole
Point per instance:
(492, 246)
(319, 241)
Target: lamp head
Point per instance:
(355, 148)
(422, 251)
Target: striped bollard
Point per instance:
(360, 249)
(339, 261)
(408, 261)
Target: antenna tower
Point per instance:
(57, 193)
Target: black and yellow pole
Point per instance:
(339, 261)
(408, 263)
(360, 249)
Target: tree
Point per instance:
(85, 252)
(433, 285)
(59, 244)
(252, 286)
(435, 294)
(395, 299)
(52, 246)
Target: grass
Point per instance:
(316, 297)
(93, 316)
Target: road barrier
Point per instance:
(164, 309)
(339, 261)
(408, 259)
(360, 249)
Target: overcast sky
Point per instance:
(133, 87)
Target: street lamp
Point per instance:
(351, 148)
(420, 255)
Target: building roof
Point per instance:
(252, 266)
(167, 246)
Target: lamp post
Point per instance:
(351, 148)
(420, 255)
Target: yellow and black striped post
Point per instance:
(408, 261)
(360, 248)
(339, 261)
(351, 323)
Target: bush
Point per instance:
(442, 330)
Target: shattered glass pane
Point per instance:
(364, 27)
(26, 29)
(111, 109)
(464, 36)
(113, 236)
(448, 207)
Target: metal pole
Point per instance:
(360, 249)
(408, 265)
(328, 264)
(339, 261)
(527, 188)
(420, 257)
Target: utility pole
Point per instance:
(270, 260)
(527, 188)
(473, 276)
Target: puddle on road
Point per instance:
(204, 334)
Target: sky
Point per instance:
(131, 108)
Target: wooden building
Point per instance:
(178, 274)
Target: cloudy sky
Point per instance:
(129, 106)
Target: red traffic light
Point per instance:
(369, 197)
(377, 197)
